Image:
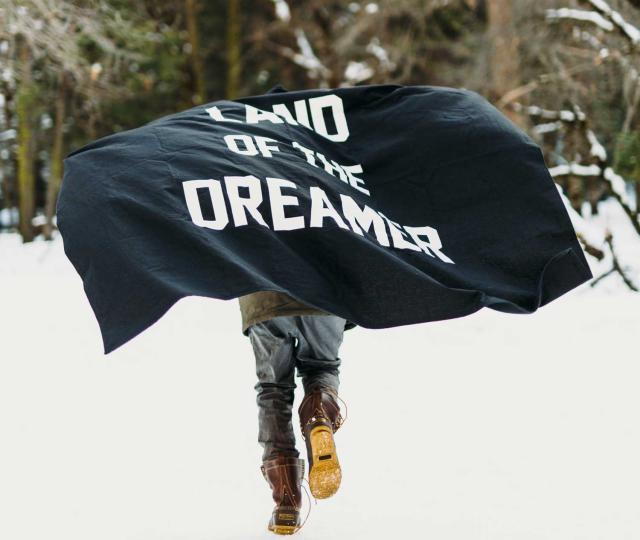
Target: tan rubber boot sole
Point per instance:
(325, 473)
(281, 517)
(283, 529)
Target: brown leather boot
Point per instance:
(320, 418)
(284, 474)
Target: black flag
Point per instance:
(385, 205)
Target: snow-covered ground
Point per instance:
(491, 427)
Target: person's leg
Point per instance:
(320, 337)
(317, 360)
(273, 345)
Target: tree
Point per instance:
(66, 52)
(197, 70)
(590, 60)
(505, 59)
(25, 100)
(234, 49)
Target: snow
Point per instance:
(580, 15)
(380, 53)
(96, 70)
(7, 135)
(576, 169)
(626, 242)
(615, 181)
(490, 427)
(306, 57)
(631, 31)
(597, 150)
(564, 115)
(7, 75)
(371, 8)
(540, 129)
(588, 37)
(40, 220)
(282, 10)
(356, 72)
(618, 185)
(8, 216)
(592, 234)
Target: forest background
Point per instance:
(565, 71)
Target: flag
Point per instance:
(386, 205)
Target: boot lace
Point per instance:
(309, 499)
(340, 420)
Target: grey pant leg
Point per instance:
(309, 343)
(317, 361)
(273, 344)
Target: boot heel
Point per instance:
(325, 474)
(284, 520)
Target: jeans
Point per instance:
(309, 343)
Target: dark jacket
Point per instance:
(264, 305)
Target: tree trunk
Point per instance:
(8, 180)
(504, 61)
(234, 51)
(57, 153)
(191, 15)
(26, 180)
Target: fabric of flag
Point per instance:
(386, 205)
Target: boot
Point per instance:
(320, 418)
(284, 475)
